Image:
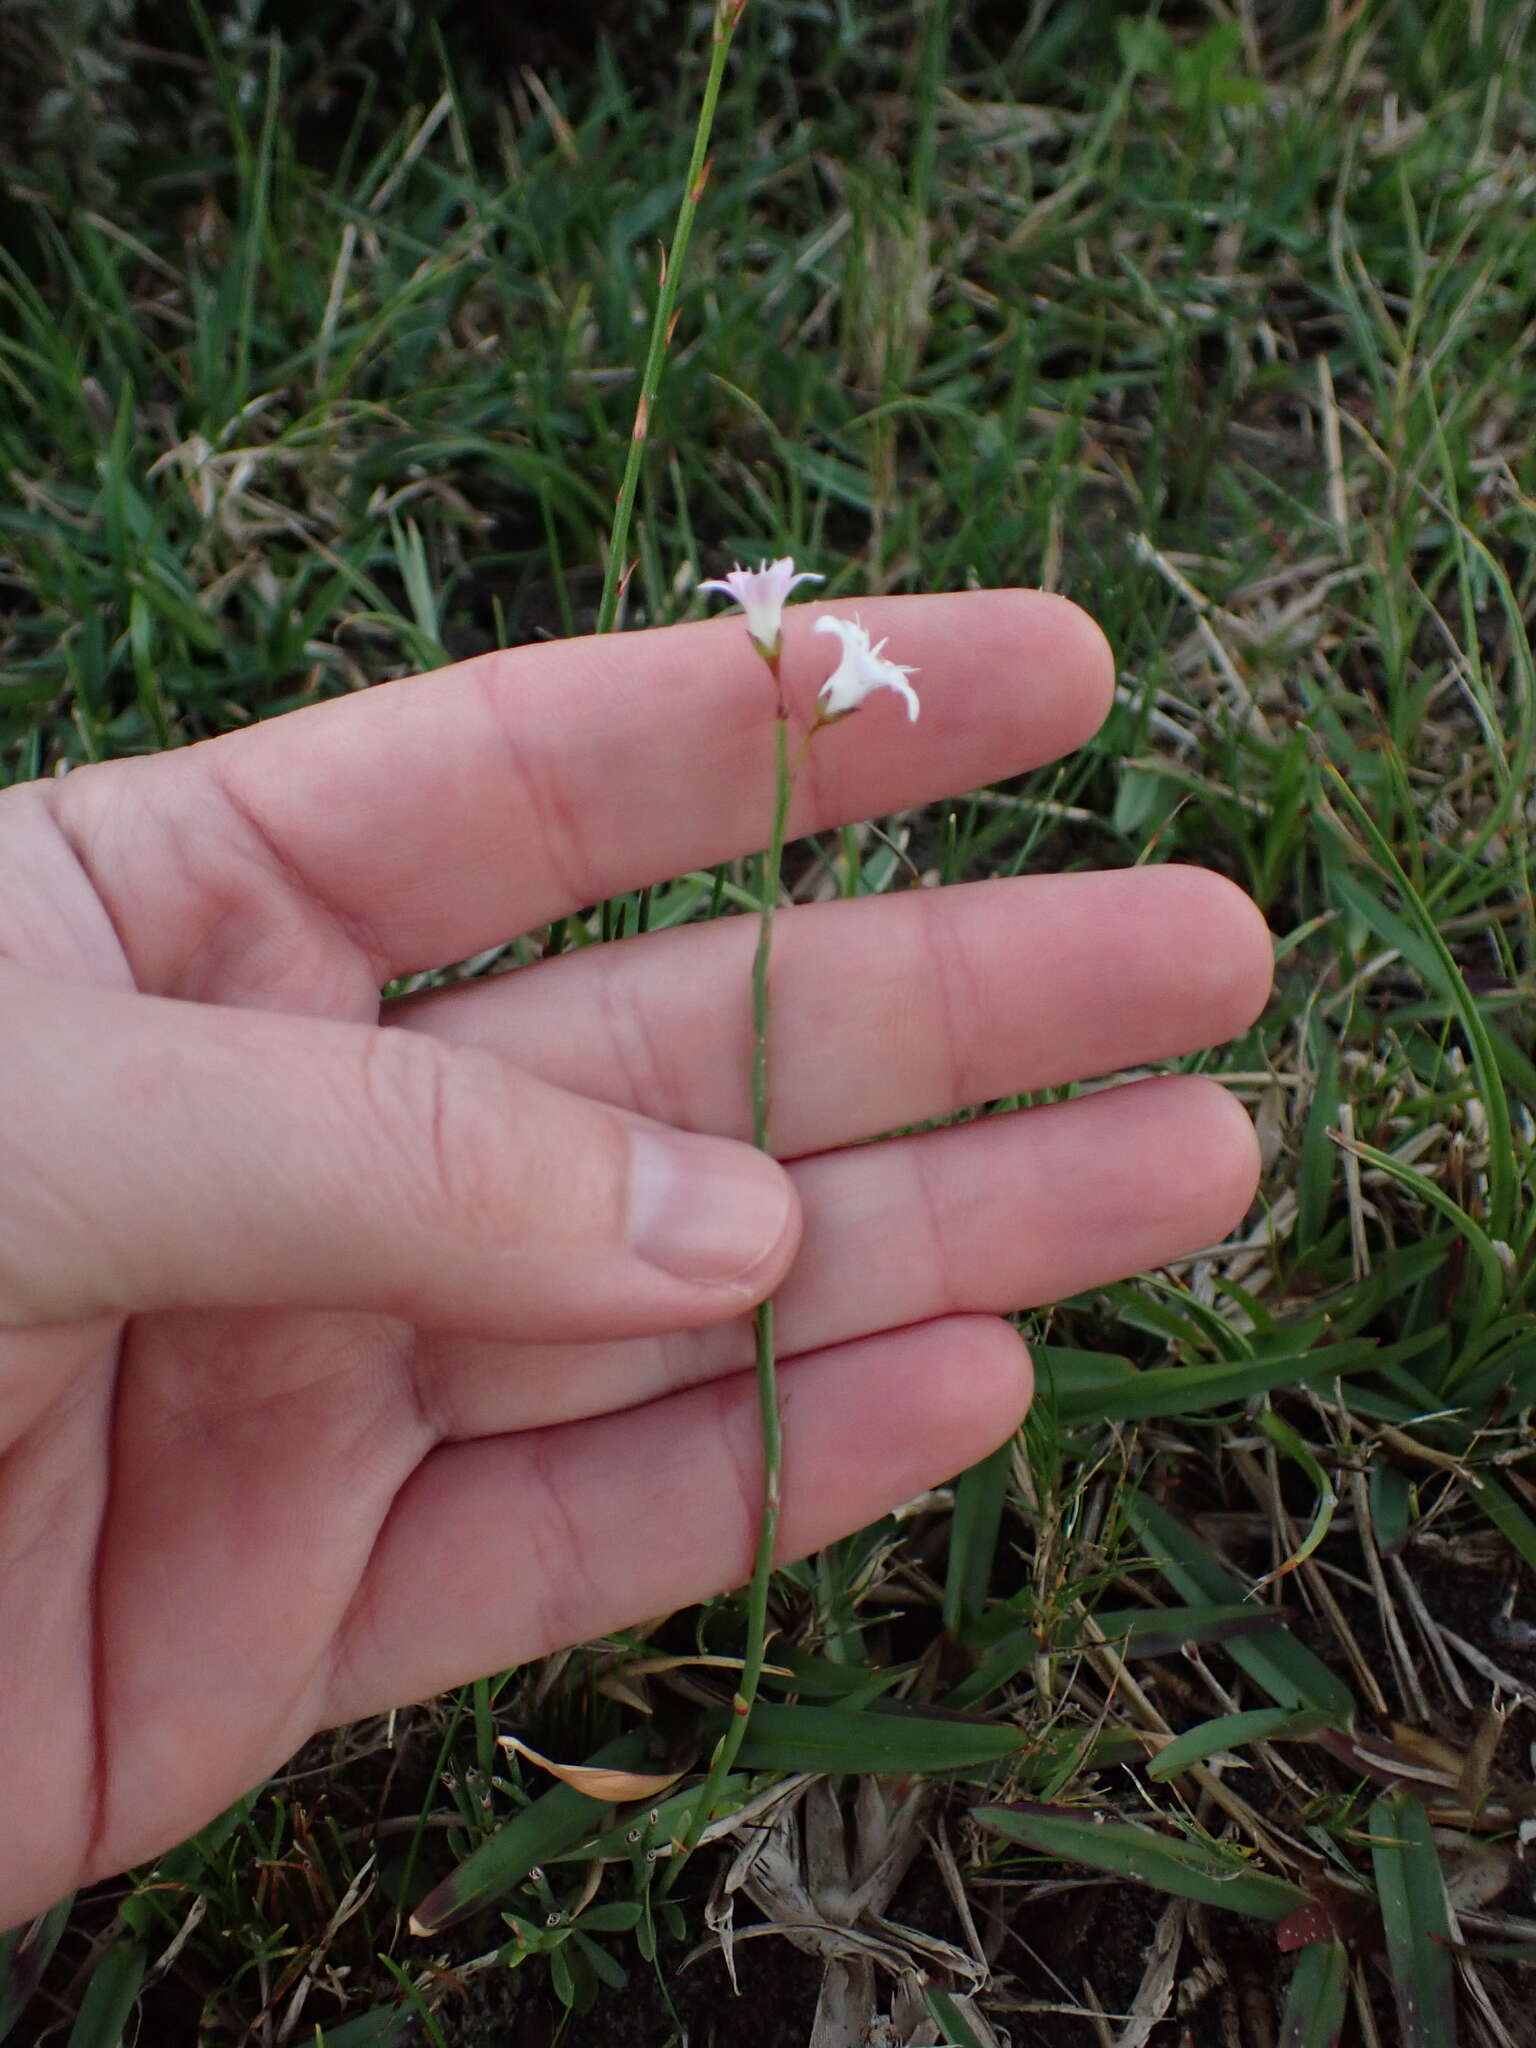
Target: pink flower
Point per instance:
(761, 593)
(860, 671)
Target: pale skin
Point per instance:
(341, 1362)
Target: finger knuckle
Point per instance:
(423, 1112)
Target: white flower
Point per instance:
(761, 593)
(860, 671)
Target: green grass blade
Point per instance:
(1191, 1389)
(1392, 1508)
(877, 1739)
(1506, 1514)
(1181, 1866)
(811, 1677)
(1416, 1920)
(979, 1500)
(1263, 1724)
(1135, 1632)
(954, 2027)
(1316, 1997)
(1490, 1273)
(387, 2026)
(1274, 1660)
(109, 1997)
(1318, 1157)
(25, 1954)
(1295, 1447)
(1160, 1631)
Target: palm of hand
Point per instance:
(248, 1511)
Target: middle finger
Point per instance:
(885, 1012)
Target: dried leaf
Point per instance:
(1473, 1784)
(1155, 1994)
(1476, 1873)
(646, 1667)
(846, 2007)
(1443, 1760)
(595, 1781)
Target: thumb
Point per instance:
(158, 1154)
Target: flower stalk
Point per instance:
(761, 594)
(770, 868)
(769, 891)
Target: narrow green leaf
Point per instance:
(1505, 1512)
(951, 2021)
(607, 1968)
(1001, 1664)
(1316, 1997)
(1355, 1306)
(1416, 1920)
(1490, 1282)
(1064, 1374)
(1300, 1452)
(1263, 1724)
(874, 1739)
(1518, 1068)
(555, 1822)
(141, 642)
(821, 1678)
(617, 1916)
(109, 1997)
(1185, 1324)
(562, 1983)
(1391, 1493)
(1273, 1659)
(1178, 1865)
(1318, 1156)
(980, 1497)
(1159, 1631)
(1134, 1632)
(25, 1954)
(1189, 1389)
(1501, 1367)
(386, 2026)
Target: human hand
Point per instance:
(341, 1363)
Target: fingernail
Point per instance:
(704, 1209)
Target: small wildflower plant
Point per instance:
(762, 593)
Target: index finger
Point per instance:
(433, 817)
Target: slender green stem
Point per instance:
(728, 15)
(770, 871)
(769, 884)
